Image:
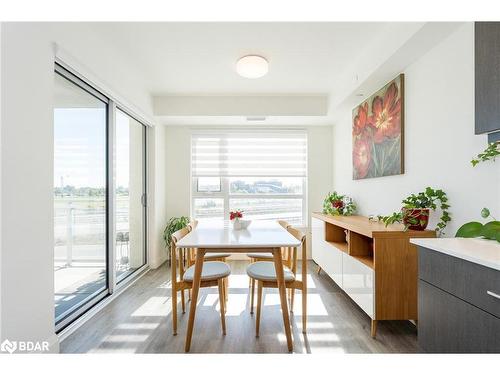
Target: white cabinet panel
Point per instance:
(323, 253)
(358, 283)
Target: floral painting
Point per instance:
(377, 133)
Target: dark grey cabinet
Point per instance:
(458, 305)
(487, 77)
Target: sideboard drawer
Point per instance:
(469, 281)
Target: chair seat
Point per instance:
(216, 255)
(265, 271)
(211, 271)
(260, 255)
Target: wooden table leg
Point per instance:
(278, 264)
(198, 267)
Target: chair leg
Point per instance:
(183, 301)
(292, 298)
(189, 294)
(304, 310)
(252, 292)
(174, 310)
(259, 307)
(226, 290)
(222, 304)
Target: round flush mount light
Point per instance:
(252, 66)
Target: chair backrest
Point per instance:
(192, 224)
(176, 236)
(283, 223)
(302, 238)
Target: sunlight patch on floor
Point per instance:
(315, 304)
(126, 338)
(154, 306)
(138, 326)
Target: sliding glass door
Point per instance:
(80, 196)
(130, 213)
(99, 197)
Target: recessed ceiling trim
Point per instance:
(258, 105)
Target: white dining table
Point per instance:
(259, 237)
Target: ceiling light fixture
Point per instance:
(252, 66)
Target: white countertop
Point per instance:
(260, 234)
(476, 250)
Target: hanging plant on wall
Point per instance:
(490, 153)
(336, 204)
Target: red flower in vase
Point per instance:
(386, 114)
(338, 204)
(362, 157)
(235, 214)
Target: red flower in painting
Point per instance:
(360, 120)
(386, 115)
(361, 156)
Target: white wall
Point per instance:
(157, 191)
(439, 140)
(178, 159)
(27, 271)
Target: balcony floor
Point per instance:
(139, 321)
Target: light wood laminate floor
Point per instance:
(139, 321)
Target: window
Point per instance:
(263, 174)
(99, 221)
(80, 196)
(130, 191)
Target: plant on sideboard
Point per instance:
(490, 153)
(337, 204)
(173, 225)
(475, 229)
(416, 210)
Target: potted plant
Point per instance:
(475, 229)
(416, 210)
(173, 225)
(336, 204)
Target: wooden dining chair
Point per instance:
(264, 272)
(286, 254)
(190, 257)
(213, 274)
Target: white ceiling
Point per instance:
(196, 59)
(199, 58)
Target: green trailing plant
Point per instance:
(490, 153)
(431, 199)
(173, 225)
(337, 204)
(475, 229)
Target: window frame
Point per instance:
(65, 323)
(225, 193)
